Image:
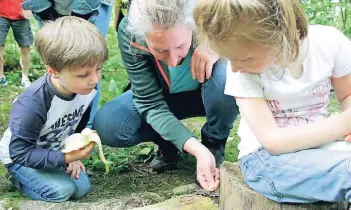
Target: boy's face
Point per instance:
(79, 80)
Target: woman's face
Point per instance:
(170, 45)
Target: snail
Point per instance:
(80, 140)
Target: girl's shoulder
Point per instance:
(329, 35)
(326, 40)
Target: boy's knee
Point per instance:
(82, 189)
(81, 193)
(60, 193)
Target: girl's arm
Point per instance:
(342, 88)
(290, 139)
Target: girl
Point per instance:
(281, 74)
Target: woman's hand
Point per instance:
(202, 62)
(207, 173)
(74, 169)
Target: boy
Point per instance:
(52, 108)
(97, 12)
(12, 15)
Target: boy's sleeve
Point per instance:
(243, 84)
(26, 120)
(342, 59)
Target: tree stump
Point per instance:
(236, 195)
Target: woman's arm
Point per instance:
(290, 139)
(147, 93)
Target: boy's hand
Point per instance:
(74, 169)
(81, 154)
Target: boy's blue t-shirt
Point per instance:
(180, 76)
(40, 120)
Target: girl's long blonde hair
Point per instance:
(279, 24)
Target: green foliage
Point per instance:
(120, 159)
(11, 53)
(330, 12)
(112, 70)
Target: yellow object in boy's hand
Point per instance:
(78, 141)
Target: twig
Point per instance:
(141, 172)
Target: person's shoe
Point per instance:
(218, 153)
(3, 81)
(25, 82)
(216, 147)
(163, 162)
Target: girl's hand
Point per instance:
(347, 117)
(81, 154)
(74, 169)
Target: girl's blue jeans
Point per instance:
(300, 177)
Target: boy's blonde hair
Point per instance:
(70, 41)
(277, 24)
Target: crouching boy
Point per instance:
(55, 106)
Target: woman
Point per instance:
(171, 80)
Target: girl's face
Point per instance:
(251, 58)
(170, 46)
